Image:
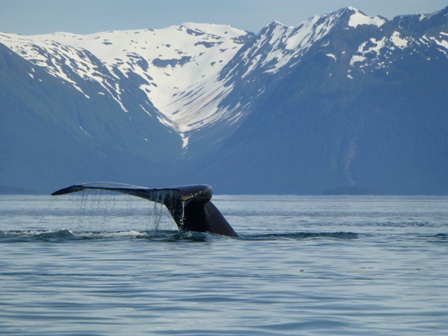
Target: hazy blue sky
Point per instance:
(89, 16)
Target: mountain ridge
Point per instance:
(167, 76)
(284, 110)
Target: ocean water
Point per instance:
(100, 264)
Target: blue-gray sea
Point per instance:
(101, 264)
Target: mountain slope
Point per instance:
(51, 134)
(363, 105)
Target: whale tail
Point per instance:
(190, 205)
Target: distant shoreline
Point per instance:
(352, 190)
(9, 190)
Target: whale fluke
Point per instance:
(189, 205)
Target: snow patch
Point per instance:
(442, 43)
(185, 140)
(398, 41)
(358, 19)
(145, 110)
(357, 58)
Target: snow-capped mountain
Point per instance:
(187, 71)
(176, 67)
(341, 99)
(375, 40)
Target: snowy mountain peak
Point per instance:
(353, 17)
(358, 18)
(278, 45)
(277, 24)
